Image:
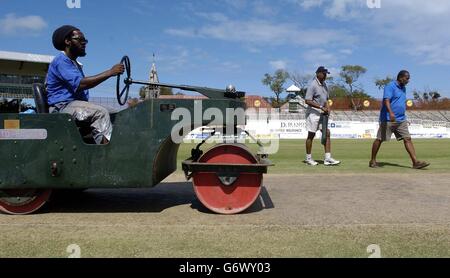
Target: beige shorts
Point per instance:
(313, 123)
(400, 131)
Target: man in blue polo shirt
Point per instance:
(68, 87)
(393, 120)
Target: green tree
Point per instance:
(350, 75)
(426, 95)
(142, 91)
(435, 95)
(301, 81)
(166, 91)
(360, 94)
(337, 91)
(381, 83)
(276, 83)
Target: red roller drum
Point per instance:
(23, 201)
(232, 198)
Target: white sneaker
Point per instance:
(311, 162)
(331, 161)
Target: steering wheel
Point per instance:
(122, 94)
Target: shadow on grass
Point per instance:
(383, 164)
(321, 162)
(262, 202)
(150, 200)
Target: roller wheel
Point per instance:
(227, 193)
(23, 201)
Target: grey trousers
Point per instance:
(96, 115)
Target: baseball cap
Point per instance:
(322, 69)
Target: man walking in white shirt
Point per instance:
(317, 100)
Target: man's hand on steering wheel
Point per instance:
(117, 69)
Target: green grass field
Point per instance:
(226, 241)
(354, 154)
(139, 229)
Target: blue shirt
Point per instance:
(63, 79)
(397, 96)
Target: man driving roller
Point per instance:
(68, 88)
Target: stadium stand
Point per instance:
(425, 117)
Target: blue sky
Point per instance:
(214, 43)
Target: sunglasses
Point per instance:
(80, 39)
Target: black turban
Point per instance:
(61, 34)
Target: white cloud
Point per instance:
(237, 4)
(253, 49)
(218, 17)
(256, 31)
(417, 28)
(346, 51)
(320, 57)
(12, 24)
(345, 9)
(262, 9)
(278, 64)
(308, 4)
(413, 27)
(142, 7)
(230, 66)
(179, 57)
(188, 32)
(435, 53)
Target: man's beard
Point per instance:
(77, 51)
